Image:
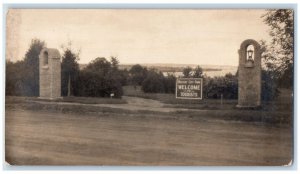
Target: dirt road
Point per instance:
(40, 138)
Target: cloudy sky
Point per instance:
(138, 36)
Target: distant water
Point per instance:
(209, 73)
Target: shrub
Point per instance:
(154, 82)
(217, 86)
(269, 86)
(99, 79)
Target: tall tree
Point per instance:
(114, 62)
(31, 64)
(279, 53)
(69, 72)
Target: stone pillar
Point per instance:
(249, 76)
(50, 73)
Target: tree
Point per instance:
(198, 73)
(69, 72)
(10, 78)
(187, 71)
(226, 85)
(114, 62)
(99, 79)
(279, 53)
(124, 75)
(170, 83)
(154, 82)
(14, 78)
(137, 74)
(31, 66)
(269, 85)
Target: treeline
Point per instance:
(22, 77)
(151, 80)
(227, 86)
(163, 68)
(100, 78)
(103, 78)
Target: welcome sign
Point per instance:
(189, 88)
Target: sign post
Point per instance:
(189, 88)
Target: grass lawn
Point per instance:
(277, 117)
(83, 100)
(282, 103)
(93, 100)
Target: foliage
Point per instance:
(114, 62)
(137, 74)
(22, 77)
(227, 86)
(187, 72)
(279, 53)
(14, 79)
(170, 83)
(124, 75)
(69, 70)
(198, 72)
(269, 86)
(99, 79)
(154, 82)
(31, 63)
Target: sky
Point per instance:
(181, 36)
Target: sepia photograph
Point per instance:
(149, 87)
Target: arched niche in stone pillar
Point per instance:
(249, 74)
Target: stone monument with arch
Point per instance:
(50, 73)
(249, 74)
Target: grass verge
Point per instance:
(200, 115)
(82, 100)
(282, 103)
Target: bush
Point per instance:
(22, 77)
(228, 86)
(154, 82)
(217, 86)
(170, 83)
(137, 74)
(269, 86)
(99, 79)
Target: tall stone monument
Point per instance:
(50, 73)
(249, 74)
